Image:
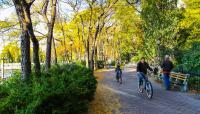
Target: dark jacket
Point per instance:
(142, 67)
(118, 68)
(167, 66)
(118, 71)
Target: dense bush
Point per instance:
(194, 83)
(188, 60)
(191, 58)
(112, 63)
(83, 63)
(100, 64)
(65, 89)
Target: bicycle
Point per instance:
(146, 86)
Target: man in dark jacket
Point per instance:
(166, 66)
(142, 67)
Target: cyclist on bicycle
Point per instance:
(118, 71)
(142, 67)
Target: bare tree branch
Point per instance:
(31, 2)
(45, 6)
(133, 4)
(8, 28)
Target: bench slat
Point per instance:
(181, 79)
(178, 77)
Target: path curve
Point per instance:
(163, 102)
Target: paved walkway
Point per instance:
(163, 102)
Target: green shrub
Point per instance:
(83, 63)
(65, 89)
(100, 64)
(112, 63)
(194, 83)
(191, 59)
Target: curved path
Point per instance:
(163, 102)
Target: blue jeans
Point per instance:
(166, 81)
(141, 76)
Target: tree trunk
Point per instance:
(48, 48)
(25, 55)
(65, 53)
(79, 48)
(35, 42)
(86, 44)
(95, 59)
(88, 54)
(55, 53)
(90, 59)
(23, 10)
(94, 47)
(50, 26)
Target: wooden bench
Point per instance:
(179, 79)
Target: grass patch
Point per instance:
(105, 101)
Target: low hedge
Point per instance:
(100, 64)
(113, 63)
(65, 89)
(81, 62)
(194, 83)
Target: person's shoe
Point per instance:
(140, 90)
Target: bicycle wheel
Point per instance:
(117, 77)
(149, 90)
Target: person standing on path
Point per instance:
(166, 66)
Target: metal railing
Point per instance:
(10, 66)
(5, 67)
